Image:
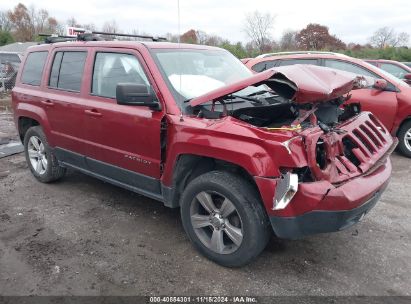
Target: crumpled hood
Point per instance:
(299, 83)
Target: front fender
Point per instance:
(227, 140)
(404, 110)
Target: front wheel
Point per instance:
(404, 138)
(224, 218)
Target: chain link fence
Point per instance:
(8, 73)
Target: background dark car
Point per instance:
(395, 68)
(9, 65)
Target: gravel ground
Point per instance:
(81, 236)
(7, 129)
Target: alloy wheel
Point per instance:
(407, 139)
(37, 155)
(216, 222)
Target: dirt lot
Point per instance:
(81, 236)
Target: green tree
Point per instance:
(390, 53)
(5, 38)
(236, 49)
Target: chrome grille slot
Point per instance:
(377, 123)
(379, 138)
(362, 142)
(371, 139)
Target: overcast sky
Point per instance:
(350, 20)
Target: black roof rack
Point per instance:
(92, 36)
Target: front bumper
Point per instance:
(329, 209)
(320, 221)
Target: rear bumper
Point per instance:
(333, 208)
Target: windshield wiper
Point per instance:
(233, 96)
(246, 98)
(259, 93)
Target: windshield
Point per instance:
(191, 73)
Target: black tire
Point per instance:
(402, 145)
(255, 226)
(52, 171)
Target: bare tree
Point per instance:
(33, 16)
(5, 24)
(60, 29)
(21, 23)
(41, 20)
(257, 27)
(72, 22)
(387, 36)
(288, 41)
(110, 27)
(89, 27)
(402, 39)
(201, 37)
(214, 40)
(171, 37)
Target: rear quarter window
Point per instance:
(298, 61)
(33, 68)
(264, 65)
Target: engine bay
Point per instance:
(276, 112)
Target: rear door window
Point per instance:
(298, 61)
(394, 70)
(67, 70)
(348, 67)
(33, 68)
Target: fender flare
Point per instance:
(36, 113)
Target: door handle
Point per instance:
(47, 103)
(93, 113)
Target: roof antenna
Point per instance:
(179, 55)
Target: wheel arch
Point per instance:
(190, 166)
(27, 115)
(24, 123)
(404, 121)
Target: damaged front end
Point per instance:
(346, 151)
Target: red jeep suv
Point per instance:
(242, 155)
(390, 101)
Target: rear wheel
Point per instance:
(40, 158)
(224, 219)
(404, 138)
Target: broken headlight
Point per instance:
(287, 187)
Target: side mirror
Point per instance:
(380, 84)
(407, 76)
(134, 94)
